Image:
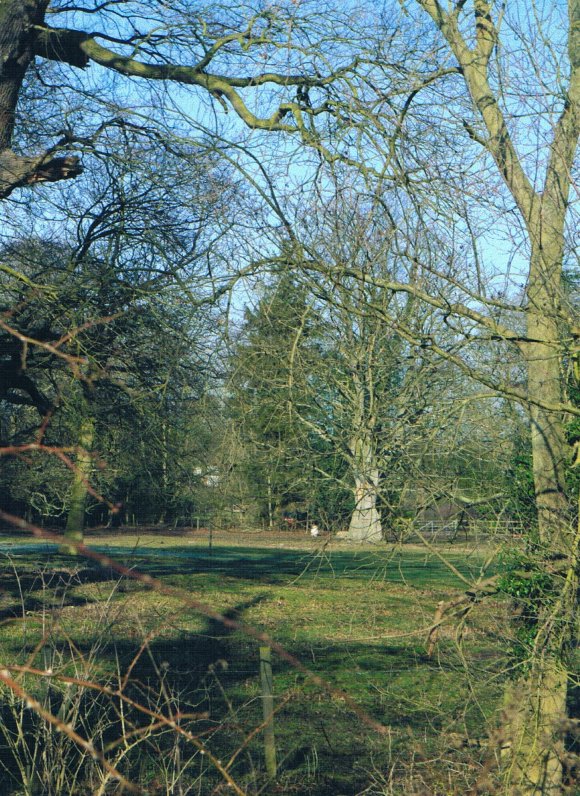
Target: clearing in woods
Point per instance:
(358, 617)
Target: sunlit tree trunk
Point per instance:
(75, 522)
(535, 706)
(270, 502)
(543, 353)
(365, 523)
(164, 473)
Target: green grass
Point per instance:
(356, 618)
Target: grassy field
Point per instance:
(357, 618)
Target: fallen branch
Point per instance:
(463, 604)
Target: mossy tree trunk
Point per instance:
(75, 522)
(536, 705)
(536, 716)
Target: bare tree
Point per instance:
(370, 376)
(475, 34)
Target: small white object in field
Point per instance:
(314, 530)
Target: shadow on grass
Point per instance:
(268, 565)
(320, 741)
(21, 591)
(318, 737)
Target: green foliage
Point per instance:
(525, 580)
(520, 484)
(140, 376)
(288, 466)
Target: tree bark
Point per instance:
(365, 523)
(536, 705)
(16, 54)
(535, 709)
(550, 452)
(534, 720)
(17, 46)
(75, 522)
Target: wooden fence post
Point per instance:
(268, 709)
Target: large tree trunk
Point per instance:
(535, 719)
(75, 522)
(543, 353)
(533, 727)
(365, 523)
(536, 705)
(17, 45)
(535, 709)
(16, 54)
